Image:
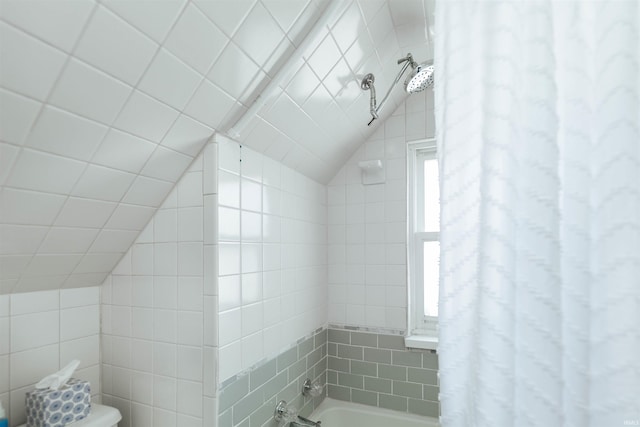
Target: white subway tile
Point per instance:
(147, 191)
(121, 321)
(189, 398)
(130, 217)
(210, 316)
(125, 55)
(142, 259)
(165, 325)
(169, 80)
(141, 415)
(229, 292)
(164, 392)
(62, 240)
(8, 154)
(142, 323)
(34, 330)
(121, 383)
(187, 136)
(259, 43)
(121, 352)
(98, 182)
(165, 225)
(230, 327)
(185, 39)
(66, 171)
(164, 418)
(190, 259)
(79, 322)
(81, 85)
(121, 290)
(190, 328)
(164, 359)
(142, 388)
(142, 291)
(228, 189)
(166, 164)
(58, 24)
(190, 363)
(251, 226)
(109, 152)
(252, 349)
(86, 350)
(190, 190)
(78, 212)
(114, 241)
(165, 293)
(210, 105)
(251, 257)
(4, 375)
(29, 367)
(190, 293)
(230, 359)
(190, 224)
(145, 117)
(165, 259)
(34, 302)
(19, 113)
(29, 66)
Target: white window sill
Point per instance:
(424, 342)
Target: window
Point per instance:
(424, 237)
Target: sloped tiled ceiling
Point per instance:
(104, 104)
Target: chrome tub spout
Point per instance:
(305, 422)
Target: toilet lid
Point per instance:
(100, 416)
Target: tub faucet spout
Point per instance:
(306, 422)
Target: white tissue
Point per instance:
(60, 378)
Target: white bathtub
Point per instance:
(336, 413)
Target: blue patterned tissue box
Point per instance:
(57, 408)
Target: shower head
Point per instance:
(420, 78)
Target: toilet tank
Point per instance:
(100, 416)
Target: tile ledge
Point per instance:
(423, 342)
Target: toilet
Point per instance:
(100, 416)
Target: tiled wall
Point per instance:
(367, 225)
(158, 314)
(376, 369)
(249, 400)
(40, 332)
(272, 257)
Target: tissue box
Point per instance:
(57, 408)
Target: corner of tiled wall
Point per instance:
(367, 224)
(377, 370)
(40, 332)
(159, 336)
(272, 262)
(249, 399)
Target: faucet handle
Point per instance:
(285, 413)
(311, 389)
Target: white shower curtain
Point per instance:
(538, 126)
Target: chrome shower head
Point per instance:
(420, 78)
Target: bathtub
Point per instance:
(336, 413)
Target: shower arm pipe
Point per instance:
(331, 12)
(408, 62)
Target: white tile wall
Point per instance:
(162, 92)
(367, 225)
(40, 332)
(272, 257)
(153, 316)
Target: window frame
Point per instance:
(419, 323)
